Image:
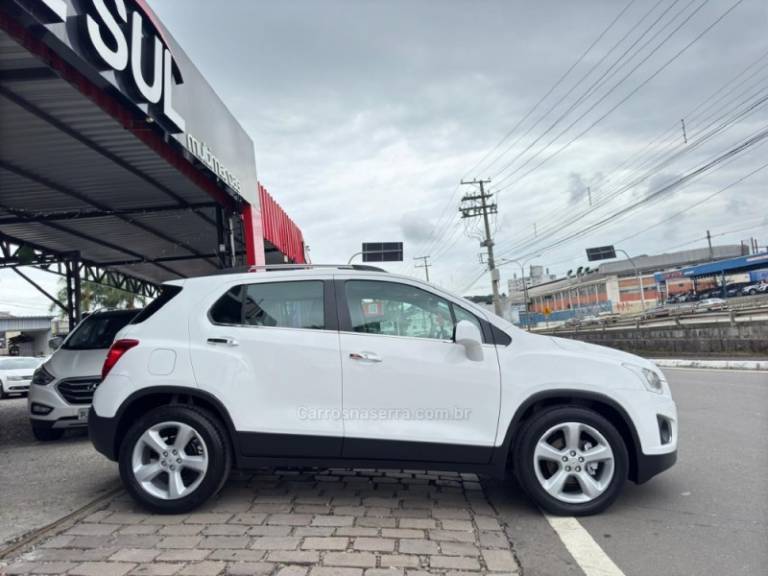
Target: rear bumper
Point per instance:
(649, 466)
(102, 432)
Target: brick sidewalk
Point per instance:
(294, 523)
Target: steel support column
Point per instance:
(74, 294)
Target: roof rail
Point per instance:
(288, 267)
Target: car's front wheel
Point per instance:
(571, 461)
(174, 458)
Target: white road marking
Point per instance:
(585, 551)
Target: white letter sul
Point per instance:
(154, 91)
(116, 59)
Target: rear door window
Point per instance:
(297, 304)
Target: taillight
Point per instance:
(116, 352)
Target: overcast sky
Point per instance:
(365, 115)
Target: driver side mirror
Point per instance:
(55, 342)
(468, 335)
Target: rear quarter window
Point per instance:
(167, 293)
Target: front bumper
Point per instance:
(102, 432)
(16, 386)
(649, 466)
(62, 414)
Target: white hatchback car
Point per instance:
(349, 366)
(62, 388)
(16, 374)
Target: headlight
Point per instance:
(650, 378)
(16, 378)
(42, 377)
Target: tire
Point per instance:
(535, 465)
(3, 395)
(46, 433)
(208, 446)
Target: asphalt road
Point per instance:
(41, 482)
(708, 515)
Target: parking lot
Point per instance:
(707, 515)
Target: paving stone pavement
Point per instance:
(334, 522)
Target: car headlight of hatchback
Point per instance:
(42, 377)
(651, 379)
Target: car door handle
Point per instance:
(365, 357)
(226, 341)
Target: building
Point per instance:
(615, 287)
(537, 275)
(119, 163)
(25, 335)
(715, 276)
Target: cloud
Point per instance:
(366, 115)
(416, 228)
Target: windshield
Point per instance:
(98, 330)
(19, 363)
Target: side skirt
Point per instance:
(260, 450)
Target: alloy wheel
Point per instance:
(170, 460)
(573, 462)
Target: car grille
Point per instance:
(78, 390)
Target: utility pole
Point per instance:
(426, 265)
(709, 241)
(479, 205)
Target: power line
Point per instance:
(629, 183)
(551, 90)
(628, 96)
(439, 228)
(736, 150)
(591, 89)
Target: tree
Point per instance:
(94, 296)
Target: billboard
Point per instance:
(382, 251)
(601, 253)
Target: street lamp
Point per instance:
(637, 276)
(522, 264)
(609, 253)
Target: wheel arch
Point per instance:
(141, 401)
(603, 405)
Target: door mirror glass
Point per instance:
(468, 335)
(55, 342)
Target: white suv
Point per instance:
(62, 388)
(349, 366)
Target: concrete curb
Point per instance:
(712, 364)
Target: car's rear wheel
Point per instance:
(46, 433)
(174, 458)
(571, 461)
